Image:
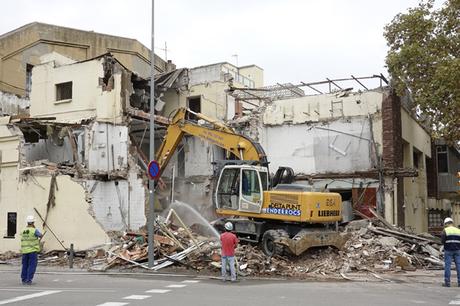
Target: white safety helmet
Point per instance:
(448, 220)
(228, 226)
(30, 219)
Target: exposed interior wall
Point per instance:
(118, 204)
(21, 192)
(344, 147)
(11, 104)
(106, 147)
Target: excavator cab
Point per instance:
(241, 188)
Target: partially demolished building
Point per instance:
(365, 144)
(71, 162)
(75, 156)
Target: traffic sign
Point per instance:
(154, 170)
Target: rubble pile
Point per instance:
(374, 247)
(172, 245)
(370, 249)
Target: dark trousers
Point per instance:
(448, 257)
(29, 264)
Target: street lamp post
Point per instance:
(151, 216)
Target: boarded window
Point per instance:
(11, 224)
(64, 91)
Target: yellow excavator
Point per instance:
(283, 217)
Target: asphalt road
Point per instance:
(73, 289)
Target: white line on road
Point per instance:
(136, 297)
(60, 289)
(113, 304)
(157, 291)
(28, 296)
(176, 286)
(191, 281)
(457, 302)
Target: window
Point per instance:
(228, 189)
(28, 79)
(194, 104)
(11, 224)
(64, 91)
(436, 218)
(443, 164)
(250, 187)
(264, 178)
(417, 157)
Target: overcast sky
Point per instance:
(292, 40)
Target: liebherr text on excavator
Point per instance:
(282, 216)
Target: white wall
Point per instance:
(322, 107)
(107, 147)
(12, 105)
(309, 150)
(88, 99)
(118, 205)
(205, 74)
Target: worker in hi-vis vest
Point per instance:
(30, 246)
(451, 240)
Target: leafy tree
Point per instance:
(424, 59)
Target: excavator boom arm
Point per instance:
(214, 132)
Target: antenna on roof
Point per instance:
(236, 59)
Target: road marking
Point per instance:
(113, 304)
(176, 286)
(28, 296)
(136, 297)
(457, 302)
(157, 291)
(39, 289)
(191, 281)
(56, 280)
(69, 281)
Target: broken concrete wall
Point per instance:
(21, 191)
(47, 149)
(69, 217)
(13, 105)
(118, 204)
(323, 107)
(199, 156)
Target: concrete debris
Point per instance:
(370, 250)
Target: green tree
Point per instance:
(423, 58)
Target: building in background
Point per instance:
(21, 49)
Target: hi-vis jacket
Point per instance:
(451, 238)
(29, 242)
